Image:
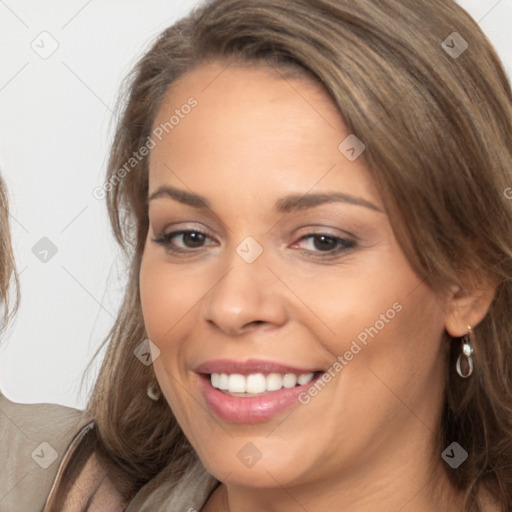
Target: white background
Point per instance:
(56, 123)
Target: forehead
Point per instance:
(239, 81)
(234, 103)
(250, 127)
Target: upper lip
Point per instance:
(249, 366)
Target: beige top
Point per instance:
(36, 441)
(95, 491)
(33, 439)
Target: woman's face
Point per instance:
(274, 279)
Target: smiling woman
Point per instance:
(328, 221)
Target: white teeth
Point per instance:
(257, 383)
(223, 381)
(274, 381)
(304, 378)
(237, 383)
(289, 380)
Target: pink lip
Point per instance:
(249, 409)
(250, 366)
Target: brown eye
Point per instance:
(193, 239)
(328, 244)
(190, 239)
(325, 243)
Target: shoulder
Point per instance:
(94, 488)
(82, 481)
(33, 439)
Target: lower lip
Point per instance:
(251, 409)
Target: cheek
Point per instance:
(167, 295)
(389, 344)
(153, 296)
(376, 311)
(166, 298)
(342, 302)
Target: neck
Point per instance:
(378, 496)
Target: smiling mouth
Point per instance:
(258, 384)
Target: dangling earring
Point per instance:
(467, 352)
(154, 395)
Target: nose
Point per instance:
(246, 296)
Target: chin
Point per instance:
(249, 466)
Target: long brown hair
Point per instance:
(8, 272)
(437, 129)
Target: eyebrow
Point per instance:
(286, 204)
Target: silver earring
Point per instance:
(467, 352)
(154, 395)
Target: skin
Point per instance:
(364, 443)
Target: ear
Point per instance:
(467, 308)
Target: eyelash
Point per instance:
(344, 245)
